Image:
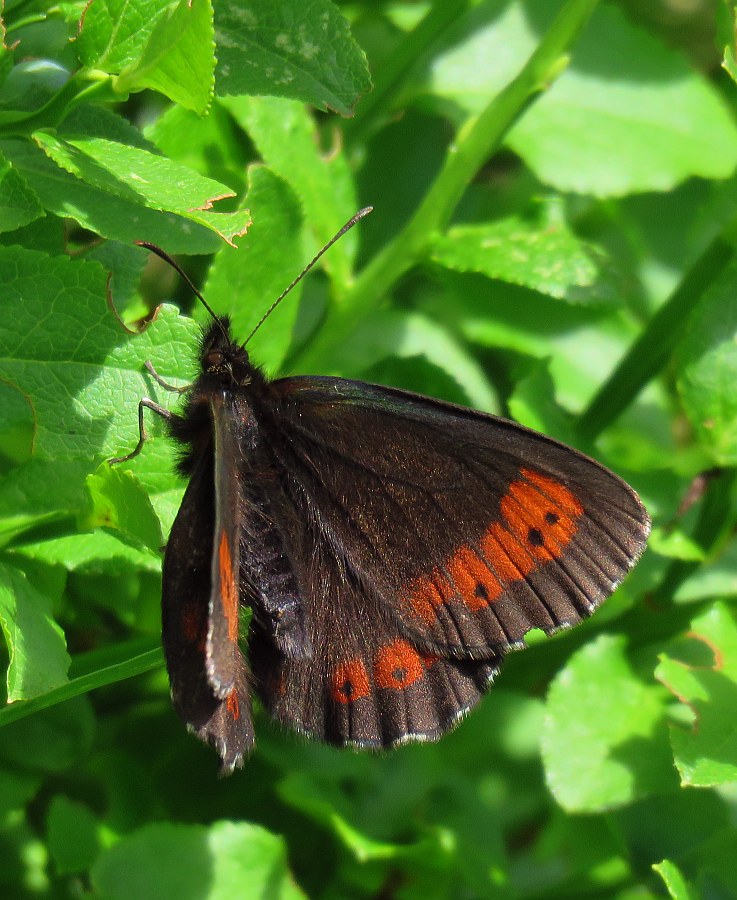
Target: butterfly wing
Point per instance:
(432, 539)
(218, 715)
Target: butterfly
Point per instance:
(392, 549)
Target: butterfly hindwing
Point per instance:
(365, 684)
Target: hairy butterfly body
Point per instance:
(391, 547)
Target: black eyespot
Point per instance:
(481, 591)
(552, 518)
(535, 537)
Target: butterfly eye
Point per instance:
(214, 360)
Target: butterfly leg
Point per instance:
(167, 386)
(154, 407)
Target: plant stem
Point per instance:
(389, 81)
(476, 141)
(650, 352)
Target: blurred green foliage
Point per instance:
(553, 238)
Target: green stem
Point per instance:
(476, 141)
(54, 111)
(650, 352)
(390, 79)
(127, 667)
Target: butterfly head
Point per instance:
(223, 359)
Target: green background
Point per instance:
(553, 239)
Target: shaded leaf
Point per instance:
(227, 859)
(604, 741)
(706, 754)
(36, 644)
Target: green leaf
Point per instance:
(540, 253)
(289, 49)
(36, 644)
(243, 283)
(73, 835)
(137, 176)
(179, 57)
(119, 502)
(601, 718)
(678, 887)
(727, 36)
(288, 141)
(226, 860)
(675, 545)
(19, 203)
(706, 754)
(40, 491)
(123, 218)
(61, 346)
(533, 404)
(406, 335)
(635, 118)
(707, 368)
(717, 580)
(53, 740)
(115, 33)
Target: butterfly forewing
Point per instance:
(468, 529)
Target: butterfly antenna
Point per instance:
(347, 227)
(162, 254)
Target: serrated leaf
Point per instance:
(707, 368)
(288, 141)
(93, 554)
(244, 282)
(706, 754)
(119, 502)
(120, 218)
(600, 717)
(114, 33)
(36, 644)
(61, 346)
(289, 49)
(226, 860)
(178, 59)
(135, 175)
(545, 256)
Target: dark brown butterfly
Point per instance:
(392, 548)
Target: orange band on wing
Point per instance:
(475, 584)
(538, 521)
(350, 681)
(397, 665)
(233, 705)
(227, 587)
